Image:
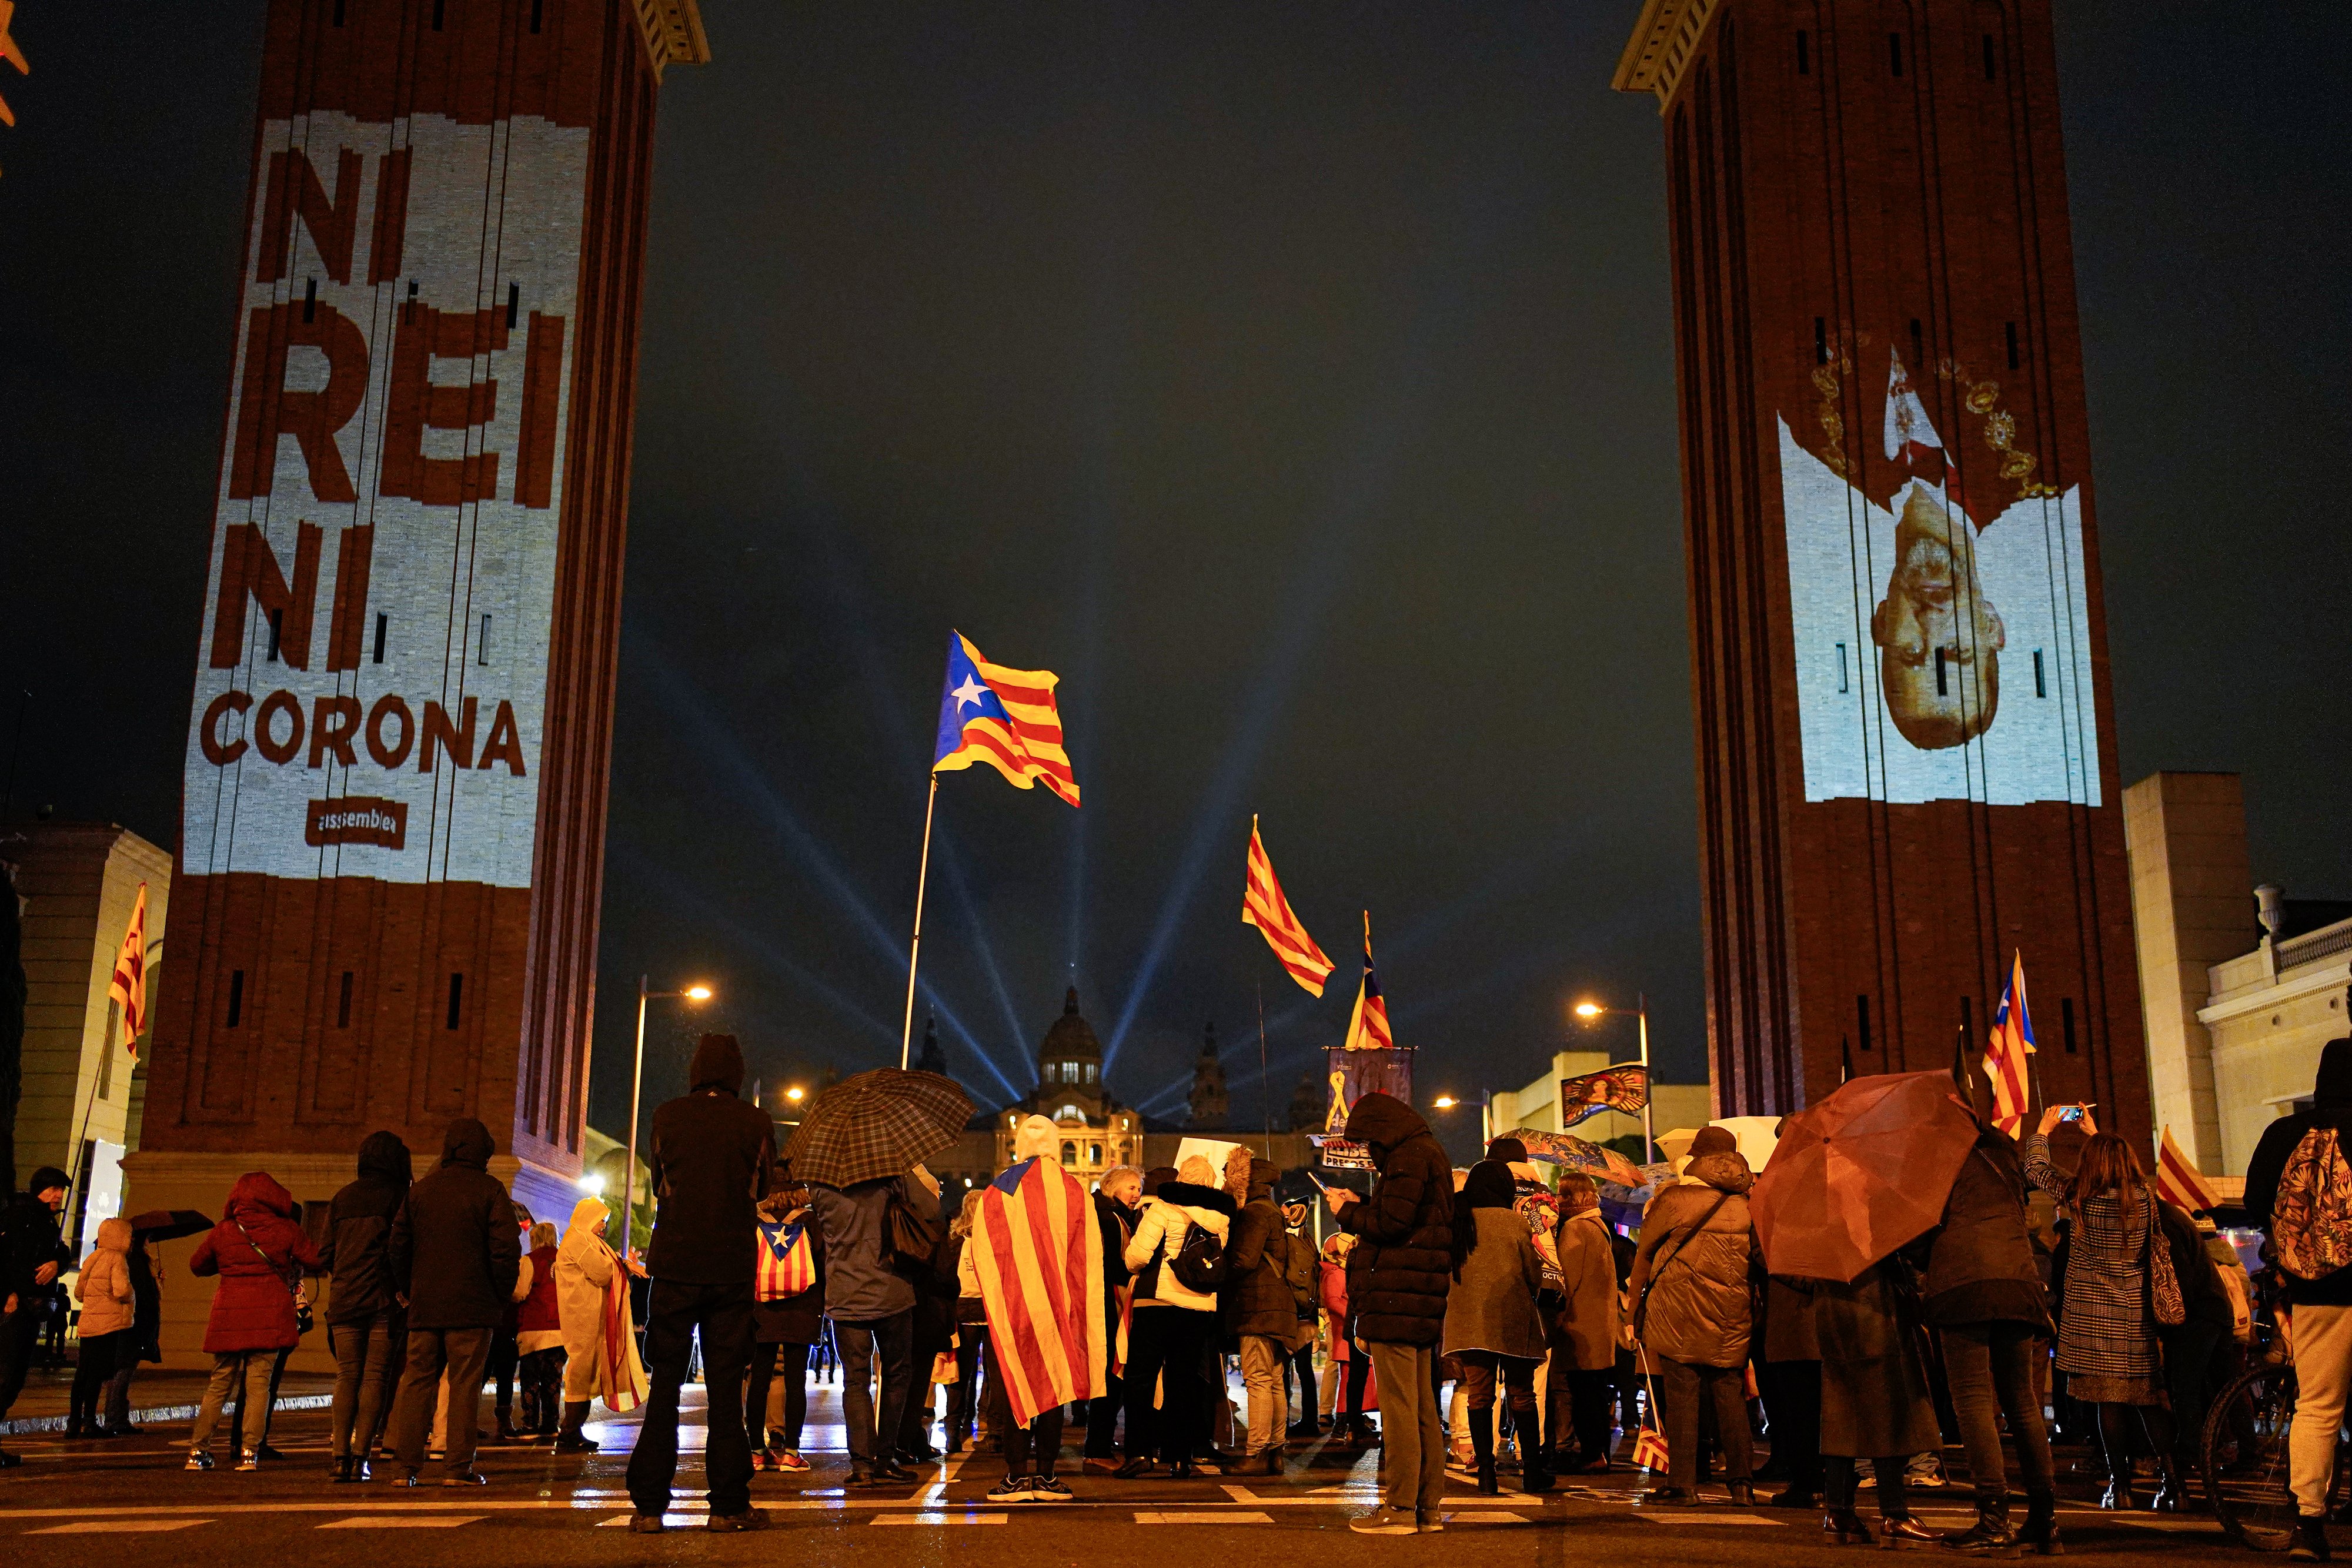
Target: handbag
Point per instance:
(303, 1320)
(2164, 1298)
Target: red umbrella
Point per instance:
(1861, 1174)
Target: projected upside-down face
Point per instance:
(1939, 639)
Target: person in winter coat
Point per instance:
(1397, 1275)
(35, 1256)
(1695, 1277)
(2302, 1172)
(873, 1311)
(781, 1331)
(1584, 1345)
(1494, 1318)
(1173, 1323)
(454, 1252)
(1351, 1366)
(1259, 1312)
(600, 1341)
(366, 1318)
(146, 1311)
(1983, 1294)
(1875, 1404)
(2107, 1333)
(107, 1305)
(2193, 1347)
(539, 1337)
(1788, 1377)
(931, 1331)
(1114, 1197)
(971, 1329)
(260, 1254)
(714, 1157)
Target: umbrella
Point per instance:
(1600, 1163)
(168, 1223)
(1862, 1174)
(876, 1125)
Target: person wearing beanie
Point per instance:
(1260, 1312)
(35, 1256)
(714, 1156)
(1694, 1276)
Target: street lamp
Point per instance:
(1485, 1107)
(636, 1094)
(1592, 1013)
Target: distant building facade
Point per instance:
(1538, 1105)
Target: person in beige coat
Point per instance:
(599, 1364)
(1584, 1353)
(107, 1311)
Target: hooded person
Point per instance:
(1398, 1276)
(1175, 1323)
(714, 1157)
(1260, 1312)
(2301, 1174)
(1035, 1251)
(365, 1318)
(599, 1343)
(32, 1255)
(1695, 1274)
(109, 1307)
(260, 1254)
(455, 1253)
(1584, 1347)
(971, 1329)
(1494, 1319)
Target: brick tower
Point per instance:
(391, 851)
(1906, 756)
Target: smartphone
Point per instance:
(2073, 1113)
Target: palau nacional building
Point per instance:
(385, 904)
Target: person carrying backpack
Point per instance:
(2299, 1190)
(1177, 1256)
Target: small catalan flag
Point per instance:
(2005, 1052)
(128, 989)
(1264, 906)
(2178, 1179)
(1368, 1025)
(1649, 1450)
(1004, 717)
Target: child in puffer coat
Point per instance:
(107, 1300)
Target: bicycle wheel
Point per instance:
(2245, 1457)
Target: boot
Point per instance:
(1991, 1535)
(1535, 1470)
(572, 1439)
(2120, 1497)
(2170, 1496)
(2039, 1533)
(1482, 1447)
(508, 1431)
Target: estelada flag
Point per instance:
(1038, 1253)
(1368, 1025)
(1264, 906)
(2010, 1044)
(128, 989)
(2178, 1179)
(1004, 717)
(787, 1261)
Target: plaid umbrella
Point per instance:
(876, 1125)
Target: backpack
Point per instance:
(913, 1241)
(1200, 1264)
(786, 1264)
(2310, 1220)
(1298, 1273)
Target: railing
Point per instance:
(2325, 943)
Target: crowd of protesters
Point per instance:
(1562, 1338)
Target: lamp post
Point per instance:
(1592, 1012)
(1485, 1112)
(637, 1093)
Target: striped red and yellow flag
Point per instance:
(1264, 906)
(1368, 1025)
(2178, 1179)
(128, 989)
(1004, 717)
(2010, 1044)
(1038, 1252)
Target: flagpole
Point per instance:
(915, 949)
(1649, 1144)
(1264, 1092)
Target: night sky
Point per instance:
(1294, 381)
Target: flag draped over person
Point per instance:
(1038, 1253)
(1264, 906)
(2005, 1052)
(1624, 1089)
(1368, 1025)
(1004, 717)
(128, 989)
(2178, 1179)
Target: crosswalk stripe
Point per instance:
(117, 1526)
(1206, 1516)
(1488, 1516)
(403, 1521)
(1704, 1516)
(939, 1519)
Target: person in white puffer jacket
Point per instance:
(1172, 1325)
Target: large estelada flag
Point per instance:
(1039, 1255)
(128, 989)
(1368, 1025)
(2010, 1044)
(1264, 906)
(2178, 1179)
(1004, 717)
(1623, 1088)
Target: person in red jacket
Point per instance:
(260, 1254)
(539, 1338)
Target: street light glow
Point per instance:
(697, 993)
(1445, 1101)
(795, 1093)
(1590, 1010)
(592, 1185)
